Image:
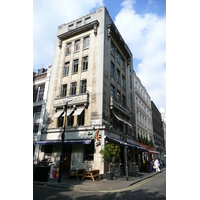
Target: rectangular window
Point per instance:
(36, 122)
(112, 49)
(112, 69)
(86, 42)
(66, 69)
(77, 45)
(89, 151)
(123, 63)
(130, 82)
(60, 121)
(81, 119)
(78, 24)
(40, 93)
(112, 90)
(70, 27)
(83, 86)
(123, 100)
(123, 82)
(118, 57)
(75, 66)
(70, 120)
(118, 76)
(118, 96)
(69, 48)
(85, 63)
(73, 88)
(64, 90)
(87, 20)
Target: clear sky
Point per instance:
(142, 24)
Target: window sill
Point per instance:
(85, 48)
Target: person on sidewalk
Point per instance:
(156, 163)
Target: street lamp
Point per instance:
(63, 138)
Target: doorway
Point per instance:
(67, 158)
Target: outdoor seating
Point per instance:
(76, 172)
(92, 174)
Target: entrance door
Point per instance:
(67, 158)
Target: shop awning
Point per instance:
(132, 145)
(116, 140)
(78, 111)
(58, 114)
(119, 118)
(69, 111)
(70, 141)
(154, 152)
(142, 149)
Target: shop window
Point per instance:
(89, 152)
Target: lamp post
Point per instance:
(63, 138)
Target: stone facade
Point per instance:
(92, 70)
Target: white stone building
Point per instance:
(92, 70)
(163, 116)
(41, 80)
(143, 110)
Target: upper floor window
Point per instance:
(70, 27)
(112, 69)
(75, 66)
(77, 45)
(66, 69)
(86, 42)
(73, 88)
(130, 82)
(118, 76)
(70, 120)
(64, 90)
(69, 48)
(81, 119)
(36, 122)
(112, 49)
(60, 121)
(118, 57)
(83, 86)
(87, 20)
(123, 63)
(40, 93)
(78, 24)
(85, 63)
(118, 96)
(123, 82)
(112, 90)
(123, 100)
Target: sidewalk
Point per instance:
(98, 185)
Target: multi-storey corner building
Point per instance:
(158, 131)
(41, 80)
(92, 71)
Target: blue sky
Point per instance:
(142, 24)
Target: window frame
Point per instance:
(81, 119)
(89, 151)
(66, 69)
(86, 42)
(68, 48)
(75, 66)
(85, 63)
(83, 87)
(118, 75)
(77, 45)
(112, 69)
(73, 88)
(63, 90)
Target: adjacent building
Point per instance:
(158, 131)
(163, 116)
(41, 80)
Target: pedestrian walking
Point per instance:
(156, 163)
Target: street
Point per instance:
(151, 188)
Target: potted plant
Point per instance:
(110, 153)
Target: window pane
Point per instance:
(75, 66)
(68, 49)
(89, 151)
(78, 24)
(85, 63)
(77, 45)
(41, 92)
(87, 20)
(73, 88)
(86, 42)
(83, 86)
(64, 90)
